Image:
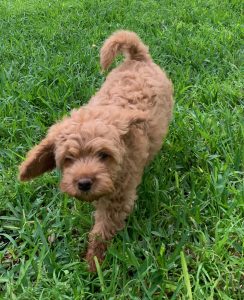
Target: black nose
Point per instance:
(85, 184)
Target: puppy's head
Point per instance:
(88, 147)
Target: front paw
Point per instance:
(96, 248)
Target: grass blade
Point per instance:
(186, 275)
(100, 274)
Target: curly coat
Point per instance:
(103, 147)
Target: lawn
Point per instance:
(185, 238)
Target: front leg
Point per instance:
(109, 218)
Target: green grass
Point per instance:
(185, 238)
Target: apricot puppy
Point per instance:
(103, 147)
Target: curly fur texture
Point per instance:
(108, 142)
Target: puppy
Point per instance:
(103, 147)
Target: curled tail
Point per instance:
(126, 42)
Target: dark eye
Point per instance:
(103, 155)
(68, 159)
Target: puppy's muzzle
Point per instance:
(85, 184)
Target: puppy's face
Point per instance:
(90, 156)
(89, 150)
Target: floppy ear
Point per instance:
(40, 159)
(129, 119)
